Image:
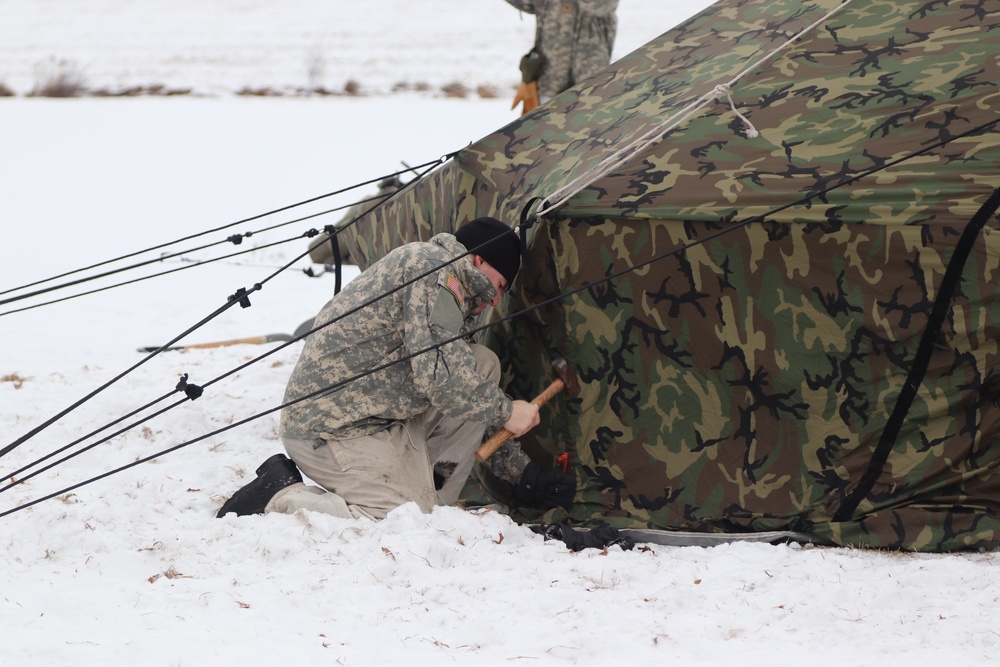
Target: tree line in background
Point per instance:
(60, 77)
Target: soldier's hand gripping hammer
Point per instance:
(565, 379)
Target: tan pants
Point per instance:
(374, 474)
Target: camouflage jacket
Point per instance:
(575, 38)
(409, 317)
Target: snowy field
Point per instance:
(133, 568)
(218, 47)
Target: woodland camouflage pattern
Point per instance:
(797, 331)
(320, 249)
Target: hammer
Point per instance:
(566, 378)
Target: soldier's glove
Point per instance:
(527, 95)
(599, 537)
(545, 488)
(531, 66)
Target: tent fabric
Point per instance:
(790, 332)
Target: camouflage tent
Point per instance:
(767, 242)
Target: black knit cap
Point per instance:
(502, 249)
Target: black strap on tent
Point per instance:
(338, 262)
(528, 220)
(942, 305)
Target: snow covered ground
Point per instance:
(133, 568)
(222, 46)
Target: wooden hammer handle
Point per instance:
(252, 340)
(486, 450)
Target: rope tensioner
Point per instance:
(192, 391)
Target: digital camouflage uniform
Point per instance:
(397, 411)
(575, 38)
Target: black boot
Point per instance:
(273, 475)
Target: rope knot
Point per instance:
(723, 89)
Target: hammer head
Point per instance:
(566, 374)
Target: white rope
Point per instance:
(723, 88)
(619, 156)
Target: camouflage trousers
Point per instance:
(371, 475)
